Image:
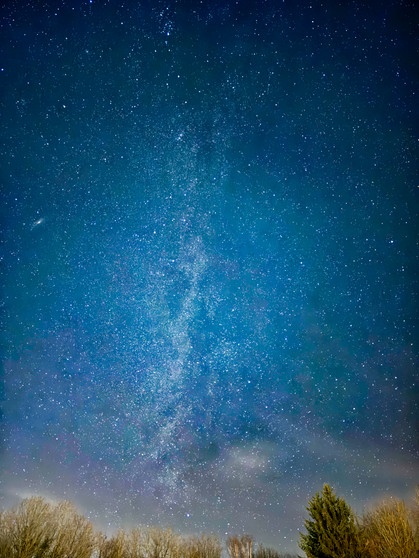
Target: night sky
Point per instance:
(209, 258)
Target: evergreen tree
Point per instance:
(332, 532)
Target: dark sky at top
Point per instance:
(209, 258)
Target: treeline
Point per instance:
(39, 529)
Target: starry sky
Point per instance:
(209, 258)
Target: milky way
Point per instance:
(209, 256)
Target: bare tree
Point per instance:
(160, 543)
(240, 547)
(74, 534)
(113, 547)
(135, 543)
(38, 529)
(26, 529)
(205, 546)
(264, 552)
(415, 516)
(389, 531)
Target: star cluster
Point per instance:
(209, 251)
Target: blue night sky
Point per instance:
(209, 259)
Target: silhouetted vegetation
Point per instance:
(39, 529)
